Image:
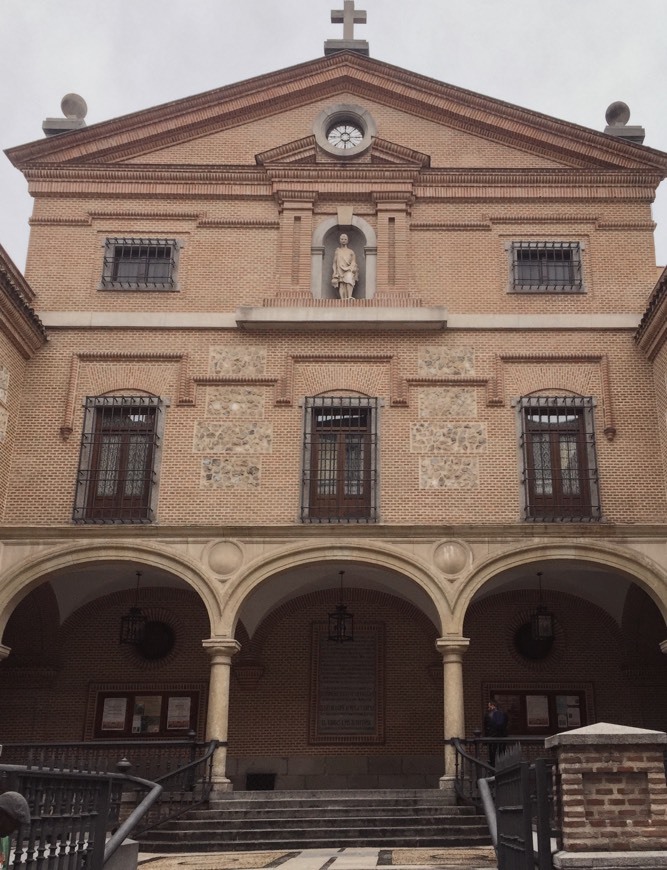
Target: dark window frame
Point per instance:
(340, 460)
(546, 267)
(140, 264)
(129, 730)
(117, 478)
(559, 474)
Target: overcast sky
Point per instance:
(566, 58)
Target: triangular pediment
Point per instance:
(305, 151)
(137, 137)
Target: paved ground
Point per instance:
(327, 859)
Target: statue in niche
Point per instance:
(345, 270)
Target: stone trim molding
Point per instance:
(265, 96)
(285, 387)
(501, 360)
(185, 385)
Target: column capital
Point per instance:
(452, 648)
(223, 647)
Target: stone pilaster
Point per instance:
(220, 650)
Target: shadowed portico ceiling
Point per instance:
(264, 96)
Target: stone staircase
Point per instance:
(296, 820)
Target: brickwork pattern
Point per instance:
(613, 798)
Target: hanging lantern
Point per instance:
(542, 621)
(133, 624)
(341, 623)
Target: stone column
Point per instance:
(452, 650)
(613, 797)
(4, 651)
(221, 650)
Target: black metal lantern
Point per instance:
(133, 624)
(542, 621)
(341, 623)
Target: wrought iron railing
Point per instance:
(150, 760)
(181, 769)
(72, 814)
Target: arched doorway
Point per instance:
(72, 678)
(600, 661)
(307, 712)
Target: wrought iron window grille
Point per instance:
(559, 476)
(117, 476)
(139, 264)
(340, 460)
(546, 267)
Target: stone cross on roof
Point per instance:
(348, 16)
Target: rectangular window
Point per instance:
(139, 264)
(546, 267)
(340, 460)
(560, 477)
(118, 460)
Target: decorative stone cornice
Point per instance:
(267, 95)
(18, 320)
(652, 330)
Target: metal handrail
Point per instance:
(489, 806)
(137, 814)
(123, 831)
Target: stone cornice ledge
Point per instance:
(307, 318)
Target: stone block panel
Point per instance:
(442, 362)
(448, 472)
(241, 437)
(234, 402)
(448, 403)
(237, 362)
(230, 472)
(427, 437)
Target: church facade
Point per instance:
(337, 352)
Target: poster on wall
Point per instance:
(568, 709)
(146, 718)
(537, 711)
(178, 713)
(113, 714)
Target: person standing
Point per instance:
(14, 812)
(495, 725)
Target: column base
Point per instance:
(221, 785)
(446, 784)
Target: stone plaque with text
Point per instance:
(347, 692)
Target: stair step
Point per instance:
(293, 821)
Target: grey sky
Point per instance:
(567, 58)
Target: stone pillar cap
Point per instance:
(605, 734)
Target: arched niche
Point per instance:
(362, 240)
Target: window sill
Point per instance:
(547, 290)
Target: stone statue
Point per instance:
(345, 269)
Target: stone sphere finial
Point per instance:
(618, 114)
(74, 107)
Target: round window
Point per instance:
(158, 641)
(344, 130)
(528, 646)
(345, 135)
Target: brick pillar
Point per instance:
(614, 797)
(221, 650)
(296, 231)
(393, 210)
